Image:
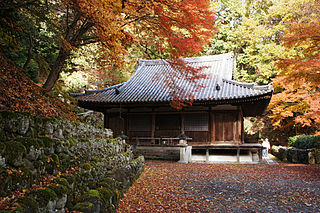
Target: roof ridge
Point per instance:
(104, 89)
(250, 85)
(207, 58)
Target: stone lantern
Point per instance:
(123, 136)
(185, 150)
(182, 138)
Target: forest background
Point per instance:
(73, 46)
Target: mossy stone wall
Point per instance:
(63, 166)
(294, 155)
(24, 125)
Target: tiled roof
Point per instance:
(144, 86)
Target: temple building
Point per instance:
(212, 126)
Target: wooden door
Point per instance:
(225, 125)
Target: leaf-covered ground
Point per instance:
(18, 93)
(173, 187)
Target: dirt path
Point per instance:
(174, 187)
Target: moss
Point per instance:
(3, 136)
(43, 159)
(8, 115)
(111, 140)
(106, 195)
(109, 183)
(70, 178)
(87, 166)
(94, 192)
(28, 142)
(28, 203)
(2, 147)
(71, 143)
(47, 142)
(59, 189)
(88, 197)
(14, 149)
(83, 140)
(83, 206)
(55, 158)
(43, 196)
(61, 181)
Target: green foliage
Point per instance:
(304, 141)
(252, 30)
(25, 37)
(74, 82)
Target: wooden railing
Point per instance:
(155, 141)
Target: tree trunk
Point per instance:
(29, 54)
(56, 68)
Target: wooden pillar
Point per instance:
(153, 125)
(106, 120)
(242, 126)
(125, 123)
(207, 155)
(238, 155)
(238, 126)
(212, 127)
(182, 122)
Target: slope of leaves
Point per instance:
(174, 187)
(19, 94)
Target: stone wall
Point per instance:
(49, 165)
(158, 153)
(293, 155)
(24, 125)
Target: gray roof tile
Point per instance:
(146, 84)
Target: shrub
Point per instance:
(304, 141)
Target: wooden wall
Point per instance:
(206, 126)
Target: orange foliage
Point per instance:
(177, 28)
(297, 105)
(19, 94)
(182, 26)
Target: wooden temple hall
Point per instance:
(211, 129)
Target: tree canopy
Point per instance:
(179, 28)
(296, 105)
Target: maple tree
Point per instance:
(179, 27)
(43, 35)
(296, 105)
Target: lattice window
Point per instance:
(196, 122)
(140, 123)
(168, 122)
